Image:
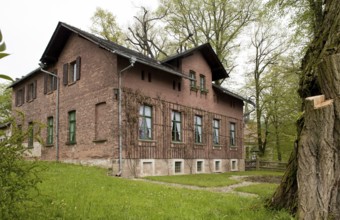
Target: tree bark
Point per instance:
(316, 159)
(317, 166)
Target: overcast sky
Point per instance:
(27, 25)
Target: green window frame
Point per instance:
(145, 122)
(216, 131)
(176, 126)
(72, 127)
(198, 129)
(232, 134)
(49, 140)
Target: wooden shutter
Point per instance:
(65, 74)
(45, 83)
(28, 91)
(23, 95)
(78, 62)
(34, 95)
(55, 80)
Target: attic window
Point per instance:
(71, 72)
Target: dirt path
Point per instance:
(223, 189)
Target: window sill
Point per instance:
(49, 145)
(233, 147)
(71, 143)
(177, 144)
(199, 145)
(217, 147)
(71, 83)
(99, 141)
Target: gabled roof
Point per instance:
(225, 91)
(218, 71)
(24, 77)
(64, 31)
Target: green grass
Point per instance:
(202, 180)
(211, 180)
(264, 190)
(78, 192)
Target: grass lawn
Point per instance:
(265, 190)
(79, 192)
(211, 180)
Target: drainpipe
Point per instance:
(56, 111)
(132, 62)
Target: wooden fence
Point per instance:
(265, 165)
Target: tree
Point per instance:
(218, 22)
(17, 177)
(104, 24)
(2, 55)
(281, 105)
(315, 164)
(146, 36)
(5, 101)
(268, 47)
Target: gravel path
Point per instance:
(223, 189)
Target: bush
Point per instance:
(18, 177)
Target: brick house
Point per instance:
(170, 118)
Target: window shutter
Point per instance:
(34, 89)
(65, 74)
(23, 95)
(78, 63)
(45, 83)
(55, 80)
(27, 96)
(16, 97)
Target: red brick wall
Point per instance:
(96, 85)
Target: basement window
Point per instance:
(178, 167)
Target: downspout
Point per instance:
(132, 62)
(56, 111)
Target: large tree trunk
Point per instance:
(317, 157)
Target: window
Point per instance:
(30, 135)
(145, 122)
(176, 126)
(192, 75)
(72, 127)
(50, 82)
(233, 165)
(31, 91)
(199, 166)
(20, 97)
(71, 72)
(202, 83)
(179, 86)
(174, 85)
(198, 129)
(232, 134)
(216, 131)
(217, 165)
(178, 166)
(72, 75)
(49, 140)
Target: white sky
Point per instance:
(27, 25)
